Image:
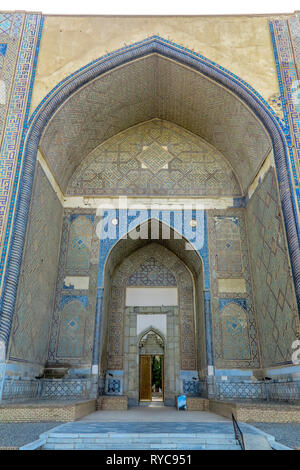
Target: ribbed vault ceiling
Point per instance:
(147, 88)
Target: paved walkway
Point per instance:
(286, 433)
(157, 414)
(18, 434)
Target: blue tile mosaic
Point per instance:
(3, 48)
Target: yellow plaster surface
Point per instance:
(231, 285)
(241, 44)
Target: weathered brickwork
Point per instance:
(34, 307)
(272, 280)
(112, 403)
(257, 412)
(197, 404)
(39, 412)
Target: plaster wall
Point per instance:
(149, 296)
(241, 44)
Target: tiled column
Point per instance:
(96, 343)
(20, 35)
(209, 344)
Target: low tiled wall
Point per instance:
(118, 402)
(259, 412)
(197, 404)
(38, 412)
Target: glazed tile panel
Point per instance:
(273, 285)
(171, 269)
(19, 43)
(235, 335)
(152, 273)
(147, 88)
(285, 37)
(71, 336)
(34, 306)
(156, 157)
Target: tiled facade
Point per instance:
(275, 300)
(237, 291)
(19, 42)
(34, 307)
(285, 36)
(71, 336)
(236, 339)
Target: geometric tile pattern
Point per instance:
(276, 104)
(192, 387)
(113, 251)
(113, 386)
(235, 336)
(119, 282)
(72, 331)
(146, 88)
(156, 157)
(6, 21)
(152, 273)
(273, 284)
(286, 45)
(235, 333)
(21, 34)
(228, 242)
(19, 389)
(32, 318)
(64, 389)
(71, 336)
(80, 236)
(230, 390)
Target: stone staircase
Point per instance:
(136, 442)
(138, 436)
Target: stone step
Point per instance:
(152, 439)
(135, 441)
(145, 446)
(127, 435)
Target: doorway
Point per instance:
(151, 378)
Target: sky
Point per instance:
(153, 7)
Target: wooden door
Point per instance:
(145, 378)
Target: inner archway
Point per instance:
(153, 289)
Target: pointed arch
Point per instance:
(113, 314)
(66, 88)
(148, 330)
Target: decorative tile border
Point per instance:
(289, 91)
(29, 27)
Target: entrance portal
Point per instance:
(151, 378)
